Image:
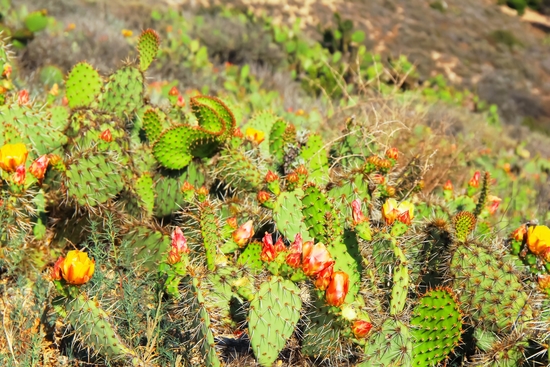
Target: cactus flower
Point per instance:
(39, 166)
(271, 176)
(203, 190)
(173, 91)
(244, 233)
(13, 156)
(268, 250)
(294, 258)
(56, 273)
(494, 203)
(406, 212)
(179, 242)
(280, 245)
(474, 181)
(448, 186)
(337, 289)
(232, 222)
(106, 136)
(255, 136)
(323, 278)
(356, 213)
(392, 153)
(538, 240)
(77, 268)
(520, 233)
(263, 196)
(19, 175)
(180, 101)
(361, 328)
(187, 187)
(126, 33)
(23, 97)
(315, 258)
(389, 211)
(301, 170)
(6, 72)
(238, 133)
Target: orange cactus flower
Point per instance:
(271, 177)
(174, 92)
(203, 190)
(238, 133)
(232, 222)
(187, 187)
(263, 196)
(268, 250)
(126, 33)
(174, 257)
(323, 278)
(406, 212)
(337, 289)
(520, 233)
(392, 153)
(361, 328)
(294, 258)
(448, 186)
(474, 181)
(106, 136)
(23, 97)
(77, 268)
(243, 233)
(544, 282)
(315, 258)
(495, 202)
(280, 245)
(13, 156)
(255, 136)
(39, 166)
(403, 212)
(538, 240)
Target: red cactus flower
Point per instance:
(357, 214)
(361, 328)
(280, 245)
(448, 186)
(474, 181)
(337, 289)
(174, 92)
(323, 278)
(268, 250)
(271, 176)
(19, 175)
(519, 233)
(392, 153)
(179, 242)
(23, 97)
(294, 258)
(243, 233)
(263, 196)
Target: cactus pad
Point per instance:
(436, 327)
(83, 85)
(464, 223)
(272, 319)
(390, 346)
(123, 93)
(148, 47)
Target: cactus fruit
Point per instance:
(436, 327)
(272, 318)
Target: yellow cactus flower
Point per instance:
(406, 212)
(77, 267)
(389, 211)
(538, 240)
(13, 156)
(255, 136)
(127, 33)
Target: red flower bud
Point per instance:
(232, 222)
(361, 328)
(173, 92)
(56, 270)
(357, 214)
(179, 243)
(187, 187)
(23, 97)
(39, 166)
(292, 177)
(203, 190)
(337, 289)
(280, 245)
(180, 102)
(263, 196)
(474, 181)
(448, 186)
(271, 176)
(301, 170)
(19, 175)
(238, 133)
(519, 233)
(106, 136)
(392, 153)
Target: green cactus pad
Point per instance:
(464, 223)
(389, 346)
(83, 85)
(210, 236)
(93, 180)
(214, 116)
(315, 210)
(202, 324)
(400, 288)
(436, 326)
(276, 141)
(123, 93)
(316, 159)
(145, 247)
(168, 195)
(262, 121)
(93, 329)
(240, 171)
(36, 21)
(490, 288)
(152, 124)
(272, 318)
(250, 257)
(148, 47)
(144, 189)
(288, 216)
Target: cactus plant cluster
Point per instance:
(202, 237)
